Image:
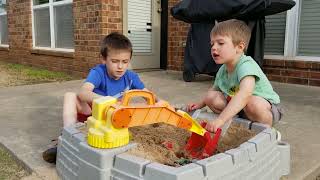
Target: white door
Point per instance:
(142, 26)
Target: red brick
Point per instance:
(314, 82)
(277, 78)
(295, 73)
(273, 71)
(267, 62)
(177, 35)
(315, 65)
(289, 64)
(315, 75)
(297, 81)
(279, 63)
(298, 64)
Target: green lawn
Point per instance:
(17, 74)
(9, 169)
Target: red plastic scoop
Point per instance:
(200, 147)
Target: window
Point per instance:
(275, 34)
(3, 25)
(309, 29)
(53, 24)
(295, 34)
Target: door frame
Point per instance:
(164, 35)
(163, 30)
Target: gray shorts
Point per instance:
(277, 113)
(276, 110)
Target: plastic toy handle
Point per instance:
(149, 96)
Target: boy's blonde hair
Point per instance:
(237, 30)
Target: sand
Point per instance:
(165, 144)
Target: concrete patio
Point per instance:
(32, 115)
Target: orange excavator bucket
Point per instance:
(200, 147)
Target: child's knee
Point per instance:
(256, 102)
(251, 106)
(215, 98)
(208, 98)
(259, 109)
(70, 95)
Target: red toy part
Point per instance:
(168, 145)
(200, 147)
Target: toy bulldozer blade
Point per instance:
(200, 147)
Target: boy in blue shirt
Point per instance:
(110, 78)
(240, 85)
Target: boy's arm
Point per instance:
(86, 93)
(237, 103)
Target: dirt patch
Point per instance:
(152, 142)
(5, 77)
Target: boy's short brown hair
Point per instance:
(237, 30)
(115, 41)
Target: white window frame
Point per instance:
(292, 37)
(3, 45)
(51, 5)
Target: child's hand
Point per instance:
(212, 126)
(194, 106)
(202, 121)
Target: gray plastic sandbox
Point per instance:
(263, 157)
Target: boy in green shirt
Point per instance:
(240, 85)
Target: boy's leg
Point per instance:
(71, 106)
(216, 101)
(259, 110)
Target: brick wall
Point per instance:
(177, 35)
(19, 31)
(293, 71)
(92, 20)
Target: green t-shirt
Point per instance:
(246, 66)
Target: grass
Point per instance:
(37, 73)
(9, 169)
(17, 74)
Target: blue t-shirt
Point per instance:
(106, 86)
